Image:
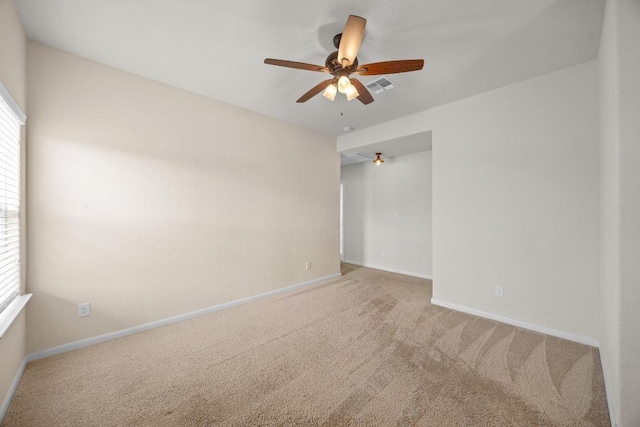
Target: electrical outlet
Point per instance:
(499, 291)
(307, 265)
(84, 309)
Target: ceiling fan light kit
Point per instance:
(378, 161)
(344, 62)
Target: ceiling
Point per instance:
(217, 48)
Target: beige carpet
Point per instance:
(366, 349)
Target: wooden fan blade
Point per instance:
(315, 90)
(390, 67)
(365, 96)
(296, 65)
(351, 39)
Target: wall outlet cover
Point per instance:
(84, 309)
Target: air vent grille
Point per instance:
(381, 84)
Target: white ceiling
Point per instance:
(217, 48)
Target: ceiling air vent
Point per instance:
(381, 84)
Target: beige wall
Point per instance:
(13, 53)
(13, 76)
(619, 67)
(387, 214)
(150, 202)
(515, 199)
(12, 353)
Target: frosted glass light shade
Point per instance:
(351, 92)
(330, 92)
(343, 83)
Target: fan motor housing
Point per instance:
(334, 66)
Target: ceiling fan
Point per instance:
(344, 62)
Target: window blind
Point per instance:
(10, 123)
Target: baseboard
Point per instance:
(152, 325)
(537, 328)
(12, 390)
(390, 270)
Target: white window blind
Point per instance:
(11, 119)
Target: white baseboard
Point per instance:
(537, 328)
(390, 270)
(12, 389)
(152, 325)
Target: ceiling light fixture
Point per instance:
(343, 86)
(378, 161)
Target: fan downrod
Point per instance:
(336, 40)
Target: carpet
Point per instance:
(367, 349)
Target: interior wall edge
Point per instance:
(607, 387)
